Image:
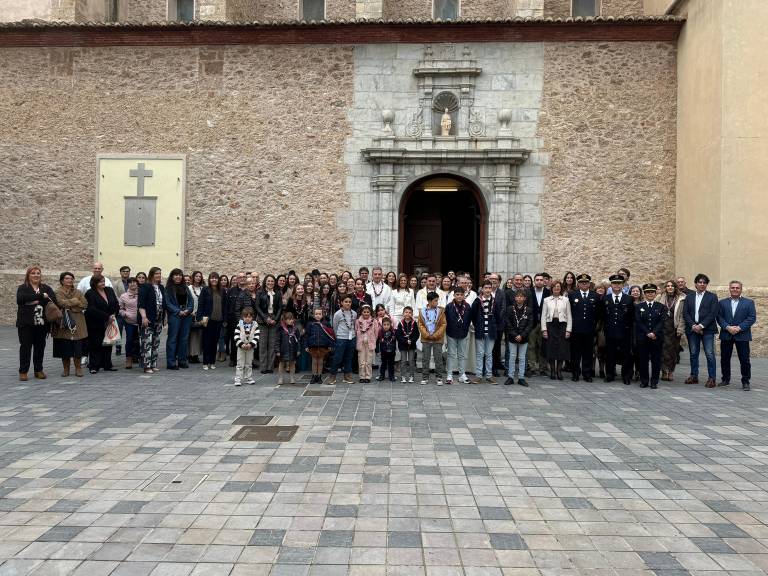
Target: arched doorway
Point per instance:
(443, 223)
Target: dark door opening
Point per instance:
(442, 228)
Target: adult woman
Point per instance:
(413, 284)
(527, 282)
(445, 291)
(68, 340)
(569, 283)
(509, 285)
(301, 309)
(178, 305)
(345, 276)
(269, 309)
(129, 312)
(556, 324)
(223, 342)
(333, 281)
(141, 278)
(350, 286)
(152, 312)
(196, 331)
(391, 280)
(31, 299)
(402, 296)
(338, 295)
(211, 306)
(637, 296)
(360, 296)
(102, 308)
(674, 327)
(324, 301)
(246, 298)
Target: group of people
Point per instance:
(342, 324)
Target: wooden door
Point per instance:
(423, 244)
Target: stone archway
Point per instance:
(443, 222)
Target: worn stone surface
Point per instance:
(608, 125)
(562, 8)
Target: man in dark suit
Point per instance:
(536, 358)
(586, 308)
(700, 315)
(499, 296)
(649, 332)
(617, 327)
(735, 317)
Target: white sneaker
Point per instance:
(402, 379)
(212, 366)
(411, 379)
(238, 383)
(439, 382)
(251, 381)
(423, 382)
(448, 381)
(463, 379)
(205, 366)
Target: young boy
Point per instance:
(319, 340)
(246, 338)
(407, 334)
(432, 331)
(519, 323)
(488, 321)
(458, 319)
(387, 349)
(287, 348)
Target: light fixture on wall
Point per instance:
(441, 185)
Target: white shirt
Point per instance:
(699, 298)
(734, 305)
(421, 299)
(616, 297)
(381, 294)
(401, 299)
(539, 296)
(85, 284)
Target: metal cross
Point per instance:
(140, 174)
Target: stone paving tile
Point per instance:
(123, 474)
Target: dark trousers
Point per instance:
(342, 355)
(229, 337)
(211, 341)
(497, 364)
(582, 354)
(31, 347)
(742, 350)
(131, 341)
(618, 351)
(387, 365)
(649, 350)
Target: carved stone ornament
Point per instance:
(415, 126)
(387, 116)
(476, 124)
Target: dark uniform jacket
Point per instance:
(585, 311)
(618, 318)
(649, 317)
(519, 322)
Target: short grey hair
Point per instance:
(736, 282)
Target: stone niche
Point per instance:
(406, 152)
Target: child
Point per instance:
(432, 330)
(319, 339)
(287, 348)
(379, 312)
(366, 330)
(246, 338)
(407, 334)
(387, 349)
(519, 323)
(458, 319)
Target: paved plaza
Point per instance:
(126, 474)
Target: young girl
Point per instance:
(367, 330)
(380, 313)
(287, 348)
(319, 340)
(407, 334)
(324, 301)
(360, 297)
(246, 338)
(387, 348)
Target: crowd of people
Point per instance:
(341, 324)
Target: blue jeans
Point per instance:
(177, 345)
(516, 354)
(484, 356)
(342, 355)
(694, 344)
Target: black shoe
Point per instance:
(194, 360)
(609, 379)
(522, 382)
(509, 382)
(232, 363)
(627, 382)
(173, 367)
(575, 378)
(495, 373)
(587, 378)
(654, 386)
(113, 369)
(643, 385)
(118, 350)
(724, 383)
(183, 365)
(745, 386)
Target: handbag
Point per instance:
(67, 322)
(111, 333)
(52, 312)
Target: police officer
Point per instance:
(586, 308)
(649, 330)
(617, 326)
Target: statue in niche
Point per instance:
(445, 124)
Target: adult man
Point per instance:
(458, 319)
(421, 295)
(649, 333)
(121, 287)
(617, 327)
(537, 360)
(682, 285)
(624, 272)
(238, 286)
(380, 292)
(735, 317)
(547, 279)
(363, 274)
(585, 309)
(700, 315)
(98, 270)
(498, 294)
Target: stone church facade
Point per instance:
(307, 144)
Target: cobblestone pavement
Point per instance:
(127, 474)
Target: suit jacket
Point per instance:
(707, 312)
(535, 304)
(649, 317)
(585, 311)
(618, 318)
(744, 318)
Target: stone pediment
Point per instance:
(452, 151)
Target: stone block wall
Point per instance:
(608, 124)
(562, 8)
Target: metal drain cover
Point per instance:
(265, 433)
(314, 392)
(252, 420)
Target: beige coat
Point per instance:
(678, 319)
(551, 308)
(75, 302)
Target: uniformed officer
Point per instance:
(649, 330)
(617, 326)
(586, 308)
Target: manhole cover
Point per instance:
(317, 392)
(252, 420)
(265, 433)
(294, 385)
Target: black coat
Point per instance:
(535, 307)
(230, 304)
(518, 323)
(287, 343)
(28, 301)
(618, 318)
(204, 304)
(407, 336)
(495, 319)
(357, 304)
(649, 317)
(245, 300)
(262, 307)
(148, 301)
(585, 311)
(302, 313)
(98, 312)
